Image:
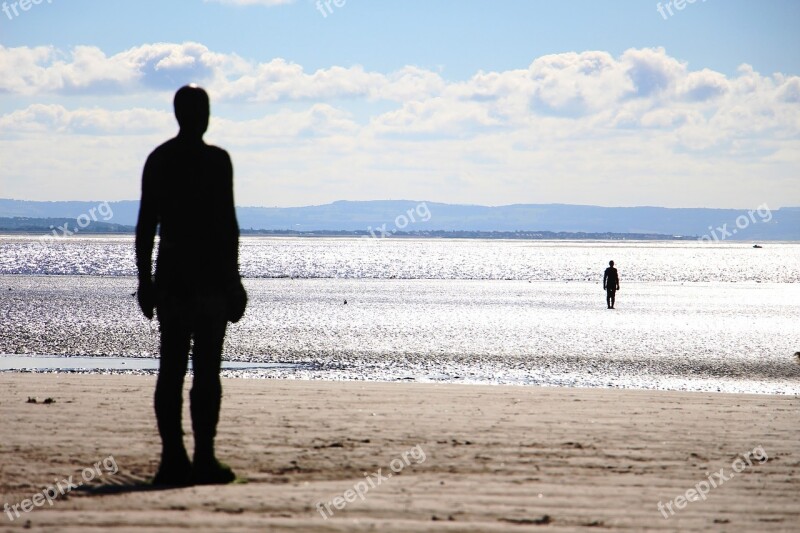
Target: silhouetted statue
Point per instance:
(187, 192)
(611, 284)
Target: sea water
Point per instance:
(690, 315)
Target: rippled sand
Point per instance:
(496, 459)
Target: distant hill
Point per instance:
(56, 226)
(412, 216)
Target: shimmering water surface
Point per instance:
(691, 316)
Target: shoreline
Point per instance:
(552, 236)
(495, 458)
(312, 371)
(288, 372)
(489, 236)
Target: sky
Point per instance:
(491, 102)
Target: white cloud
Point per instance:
(640, 128)
(87, 70)
(58, 119)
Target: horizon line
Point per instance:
(428, 202)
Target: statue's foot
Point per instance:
(175, 470)
(212, 472)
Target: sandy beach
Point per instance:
(352, 456)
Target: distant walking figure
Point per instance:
(187, 191)
(611, 284)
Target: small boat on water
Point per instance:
(757, 246)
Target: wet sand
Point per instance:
(461, 458)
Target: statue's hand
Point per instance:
(237, 301)
(146, 295)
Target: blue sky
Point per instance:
(461, 37)
(477, 101)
